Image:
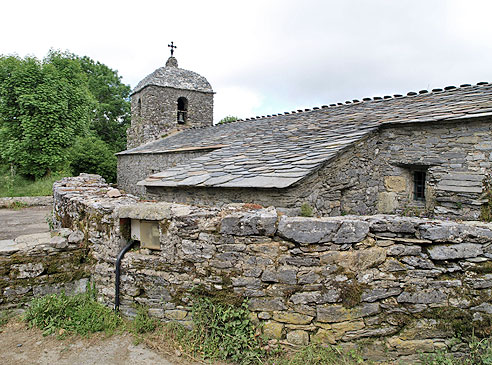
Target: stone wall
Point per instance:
(133, 168)
(391, 285)
(375, 175)
(39, 264)
(157, 115)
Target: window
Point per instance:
(139, 107)
(419, 185)
(182, 110)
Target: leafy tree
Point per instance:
(93, 156)
(44, 105)
(111, 110)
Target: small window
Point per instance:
(419, 185)
(182, 110)
(139, 107)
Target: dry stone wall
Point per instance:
(43, 263)
(391, 285)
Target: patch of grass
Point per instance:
(223, 331)
(143, 323)
(64, 315)
(318, 354)
(5, 317)
(15, 185)
(306, 210)
(480, 353)
(17, 205)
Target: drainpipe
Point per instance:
(117, 279)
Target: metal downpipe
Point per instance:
(117, 278)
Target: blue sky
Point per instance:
(269, 56)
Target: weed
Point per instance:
(143, 323)
(78, 314)
(306, 210)
(480, 353)
(5, 317)
(318, 354)
(17, 205)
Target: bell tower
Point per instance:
(168, 100)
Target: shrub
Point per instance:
(93, 156)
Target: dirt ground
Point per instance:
(21, 345)
(14, 223)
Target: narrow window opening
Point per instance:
(182, 110)
(139, 107)
(419, 185)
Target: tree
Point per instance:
(93, 156)
(111, 114)
(44, 105)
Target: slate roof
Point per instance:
(177, 78)
(280, 150)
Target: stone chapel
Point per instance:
(426, 152)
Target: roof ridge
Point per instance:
(368, 99)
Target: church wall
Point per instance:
(133, 168)
(375, 175)
(157, 114)
(392, 286)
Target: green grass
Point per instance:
(65, 315)
(16, 185)
(479, 353)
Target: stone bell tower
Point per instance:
(168, 100)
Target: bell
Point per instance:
(180, 118)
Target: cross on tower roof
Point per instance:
(172, 46)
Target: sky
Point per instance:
(269, 56)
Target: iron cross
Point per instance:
(172, 46)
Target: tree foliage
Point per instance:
(46, 105)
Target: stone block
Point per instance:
(267, 304)
(351, 232)
(355, 260)
(455, 251)
(397, 184)
(372, 295)
(387, 202)
(337, 313)
(292, 317)
(76, 237)
(261, 222)
(298, 337)
(324, 336)
(175, 314)
(307, 230)
(28, 270)
(273, 330)
(424, 296)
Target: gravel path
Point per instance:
(28, 346)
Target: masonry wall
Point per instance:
(376, 175)
(133, 168)
(390, 285)
(157, 115)
(39, 264)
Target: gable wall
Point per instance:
(158, 114)
(136, 167)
